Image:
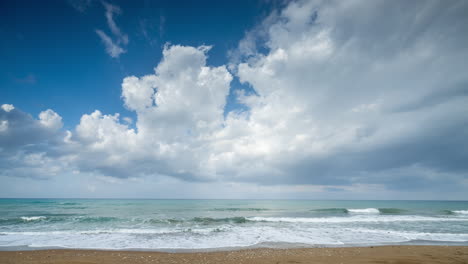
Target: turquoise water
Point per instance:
(210, 224)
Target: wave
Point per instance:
(21, 220)
(209, 220)
(364, 211)
(42, 202)
(455, 212)
(108, 219)
(69, 203)
(394, 211)
(55, 218)
(389, 211)
(108, 231)
(331, 210)
(161, 221)
(462, 212)
(32, 218)
(330, 215)
(240, 209)
(99, 219)
(198, 220)
(357, 218)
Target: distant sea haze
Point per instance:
(216, 224)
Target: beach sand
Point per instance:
(380, 254)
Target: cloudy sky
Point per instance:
(242, 99)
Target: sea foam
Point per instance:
(462, 212)
(32, 218)
(357, 218)
(364, 211)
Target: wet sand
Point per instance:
(381, 254)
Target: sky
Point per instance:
(236, 100)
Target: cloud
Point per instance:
(177, 106)
(349, 96)
(113, 47)
(334, 81)
(50, 119)
(7, 107)
(80, 5)
(22, 130)
(31, 147)
(3, 125)
(112, 10)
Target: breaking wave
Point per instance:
(240, 209)
(390, 211)
(32, 218)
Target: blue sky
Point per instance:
(244, 99)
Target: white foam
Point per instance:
(231, 236)
(161, 231)
(462, 212)
(355, 218)
(32, 218)
(235, 236)
(364, 211)
(408, 236)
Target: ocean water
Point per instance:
(218, 224)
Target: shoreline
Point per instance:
(369, 254)
(263, 245)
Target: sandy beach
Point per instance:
(381, 254)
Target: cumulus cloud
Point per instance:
(178, 107)
(336, 84)
(7, 107)
(50, 119)
(21, 129)
(31, 147)
(349, 95)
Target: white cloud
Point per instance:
(50, 119)
(324, 109)
(331, 81)
(112, 10)
(104, 131)
(7, 107)
(182, 97)
(138, 93)
(113, 49)
(178, 108)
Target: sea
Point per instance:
(201, 225)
